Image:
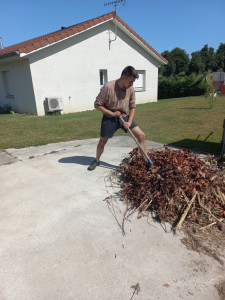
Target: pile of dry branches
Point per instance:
(177, 187)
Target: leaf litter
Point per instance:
(182, 190)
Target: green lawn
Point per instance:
(184, 122)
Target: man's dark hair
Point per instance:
(130, 71)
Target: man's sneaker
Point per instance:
(93, 165)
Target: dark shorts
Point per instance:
(111, 124)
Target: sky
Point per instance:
(164, 24)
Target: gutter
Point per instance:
(9, 55)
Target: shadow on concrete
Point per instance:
(197, 145)
(85, 161)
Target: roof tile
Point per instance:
(37, 45)
(96, 21)
(64, 34)
(69, 32)
(50, 39)
(44, 43)
(22, 50)
(58, 37)
(75, 30)
(30, 48)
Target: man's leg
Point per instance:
(100, 147)
(108, 128)
(99, 151)
(140, 136)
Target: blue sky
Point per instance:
(164, 24)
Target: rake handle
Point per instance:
(136, 141)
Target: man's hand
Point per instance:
(116, 113)
(127, 125)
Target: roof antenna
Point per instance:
(115, 4)
(1, 45)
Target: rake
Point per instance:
(136, 141)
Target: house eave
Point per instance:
(9, 56)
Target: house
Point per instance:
(66, 68)
(219, 81)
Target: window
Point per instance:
(103, 77)
(7, 84)
(139, 83)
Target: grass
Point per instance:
(184, 122)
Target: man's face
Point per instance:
(128, 81)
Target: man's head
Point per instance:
(128, 76)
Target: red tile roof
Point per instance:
(44, 40)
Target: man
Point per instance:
(114, 100)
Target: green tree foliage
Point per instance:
(178, 62)
(196, 64)
(212, 66)
(205, 60)
(220, 57)
(183, 77)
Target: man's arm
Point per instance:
(131, 116)
(107, 112)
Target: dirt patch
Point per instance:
(210, 242)
(221, 290)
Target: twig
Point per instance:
(136, 288)
(202, 228)
(124, 217)
(114, 215)
(222, 196)
(186, 212)
(142, 204)
(147, 206)
(206, 209)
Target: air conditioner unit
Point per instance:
(54, 104)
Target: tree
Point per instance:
(212, 64)
(203, 61)
(220, 57)
(204, 52)
(178, 62)
(196, 64)
(181, 60)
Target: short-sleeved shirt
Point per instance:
(113, 98)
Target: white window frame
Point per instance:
(140, 83)
(103, 76)
(7, 84)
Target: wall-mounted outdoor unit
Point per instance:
(53, 104)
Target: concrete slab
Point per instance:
(6, 158)
(59, 237)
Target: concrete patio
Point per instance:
(59, 236)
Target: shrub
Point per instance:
(176, 86)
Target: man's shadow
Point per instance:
(85, 161)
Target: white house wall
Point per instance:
(23, 100)
(70, 69)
